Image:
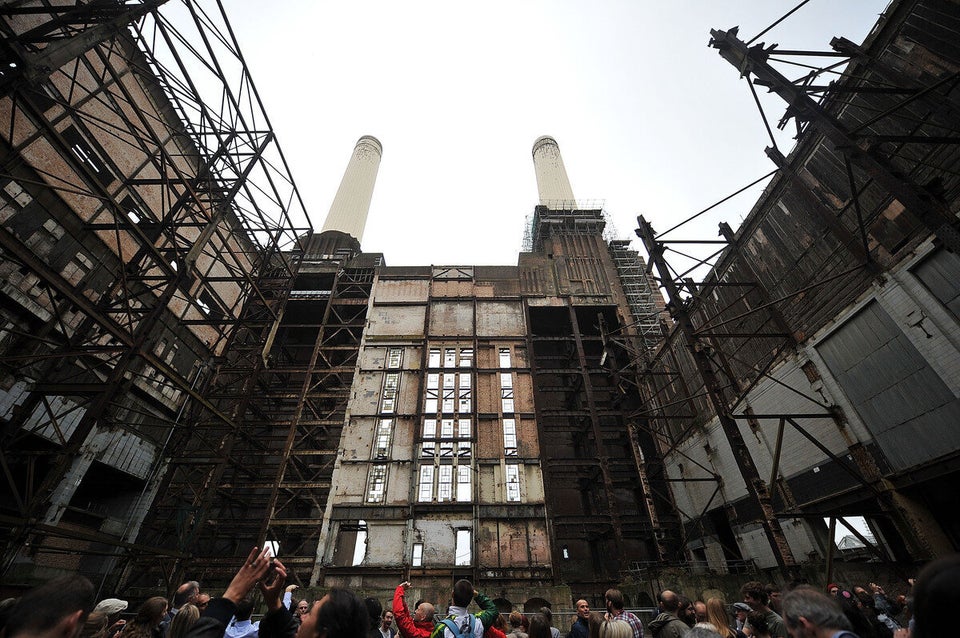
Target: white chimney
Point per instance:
(552, 182)
(348, 213)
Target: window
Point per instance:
(446, 437)
(506, 380)
(360, 549)
(448, 398)
(394, 357)
(417, 560)
(450, 358)
(425, 493)
(390, 386)
(381, 446)
(465, 397)
(377, 484)
(463, 433)
(434, 358)
(464, 493)
(466, 357)
(504, 357)
(445, 483)
(429, 448)
(433, 393)
(513, 483)
(463, 555)
(509, 437)
(506, 399)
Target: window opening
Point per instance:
(464, 491)
(513, 483)
(377, 484)
(425, 493)
(394, 357)
(360, 549)
(434, 358)
(417, 560)
(504, 357)
(384, 430)
(450, 358)
(445, 483)
(390, 386)
(506, 399)
(429, 433)
(509, 437)
(466, 357)
(463, 554)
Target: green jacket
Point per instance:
(484, 618)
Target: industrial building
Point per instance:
(188, 368)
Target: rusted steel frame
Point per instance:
(584, 375)
(286, 457)
(932, 212)
(714, 205)
(748, 469)
(856, 205)
(775, 470)
(831, 548)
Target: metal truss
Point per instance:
(819, 236)
(165, 231)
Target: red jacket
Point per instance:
(408, 627)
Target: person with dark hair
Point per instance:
(539, 627)
(95, 626)
(758, 624)
(421, 624)
(241, 627)
(147, 622)
(385, 626)
(56, 608)
(851, 608)
(581, 624)
(375, 610)
(615, 611)
(667, 624)
(548, 617)
(459, 622)
(755, 595)
(685, 611)
(810, 614)
(936, 592)
(773, 597)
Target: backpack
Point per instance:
(466, 632)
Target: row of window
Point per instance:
(441, 483)
(445, 358)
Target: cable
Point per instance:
(712, 206)
(785, 16)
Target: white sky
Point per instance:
(647, 116)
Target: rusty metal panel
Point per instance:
(404, 290)
(451, 288)
(911, 412)
(489, 481)
(528, 441)
(451, 318)
(532, 484)
(490, 439)
(500, 319)
(404, 321)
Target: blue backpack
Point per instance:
(467, 631)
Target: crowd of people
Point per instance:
(64, 608)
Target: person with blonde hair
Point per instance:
(188, 615)
(718, 617)
(615, 629)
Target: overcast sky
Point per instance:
(649, 118)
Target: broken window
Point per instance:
(464, 491)
(509, 437)
(466, 357)
(394, 357)
(434, 358)
(465, 399)
(504, 357)
(417, 560)
(382, 446)
(446, 437)
(463, 555)
(433, 394)
(450, 358)
(377, 484)
(463, 433)
(445, 483)
(425, 493)
(360, 549)
(513, 483)
(390, 386)
(506, 399)
(429, 448)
